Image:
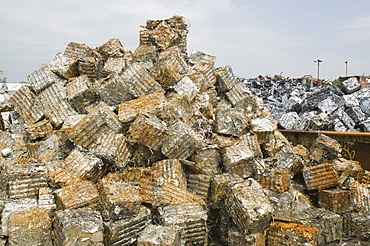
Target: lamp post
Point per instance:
(318, 68)
(346, 62)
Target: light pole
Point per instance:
(346, 62)
(318, 68)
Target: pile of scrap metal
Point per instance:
(155, 147)
(298, 107)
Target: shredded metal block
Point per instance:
(280, 233)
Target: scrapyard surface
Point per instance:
(323, 108)
(157, 147)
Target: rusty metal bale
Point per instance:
(190, 217)
(208, 160)
(360, 195)
(139, 82)
(112, 148)
(30, 227)
(148, 130)
(39, 129)
(202, 75)
(54, 147)
(275, 179)
(112, 48)
(64, 66)
(170, 171)
(55, 104)
(79, 194)
(199, 184)
(24, 180)
(119, 199)
(152, 104)
(187, 87)
(181, 142)
(113, 66)
(46, 199)
(41, 78)
(80, 93)
(26, 104)
(336, 200)
(320, 176)
(248, 206)
(219, 188)
(90, 67)
(280, 233)
(126, 231)
(112, 91)
(356, 225)
(157, 235)
(236, 238)
(145, 53)
(78, 227)
(76, 50)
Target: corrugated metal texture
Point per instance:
(275, 179)
(219, 188)
(154, 235)
(90, 67)
(25, 103)
(30, 227)
(360, 195)
(46, 199)
(357, 224)
(78, 195)
(202, 74)
(225, 79)
(208, 160)
(77, 50)
(64, 66)
(126, 231)
(199, 184)
(230, 121)
(113, 91)
(80, 93)
(320, 177)
(170, 171)
(238, 159)
(139, 82)
(248, 206)
(39, 130)
(55, 104)
(113, 66)
(153, 104)
(84, 165)
(149, 131)
(112, 48)
(236, 238)
(42, 78)
(113, 147)
(280, 233)
(78, 227)
(335, 200)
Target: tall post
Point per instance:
(346, 62)
(318, 68)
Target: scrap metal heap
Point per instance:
(155, 147)
(328, 107)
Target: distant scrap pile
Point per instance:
(155, 147)
(298, 107)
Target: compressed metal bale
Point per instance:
(30, 227)
(320, 176)
(113, 66)
(248, 206)
(327, 106)
(178, 108)
(55, 104)
(219, 188)
(365, 105)
(76, 50)
(90, 67)
(145, 53)
(199, 184)
(365, 125)
(236, 238)
(46, 199)
(331, 146)
(54, 147)
(190, 217)
(119, 199)
(289, 120)
(112, 148)
(159, 235)
(148, 130)
(356, 114)
(24, 180)
(138, 81)
(263, 124)
(153, 104)
(14, 206)
(112, 48)
(321, 122)
(356, 224)
(360, 195)
(135, 174)
(202, 75)
(80, 93)
(78, 227)
(351, 85)
(181, 142)
(126, 231)
(225, 79)
(241, 97)
(26, 104)
(336, 200)
(343, 117)
(113, 91)
(239, 159)
(170, 171)
(281, 233)
(230, 121)
(41, 78)
(79, 194)
(199, 57)
(39, 129)
(64, 66)
(187, 87)
(275, 179)
(208, 160)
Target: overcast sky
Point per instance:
(252, 36)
